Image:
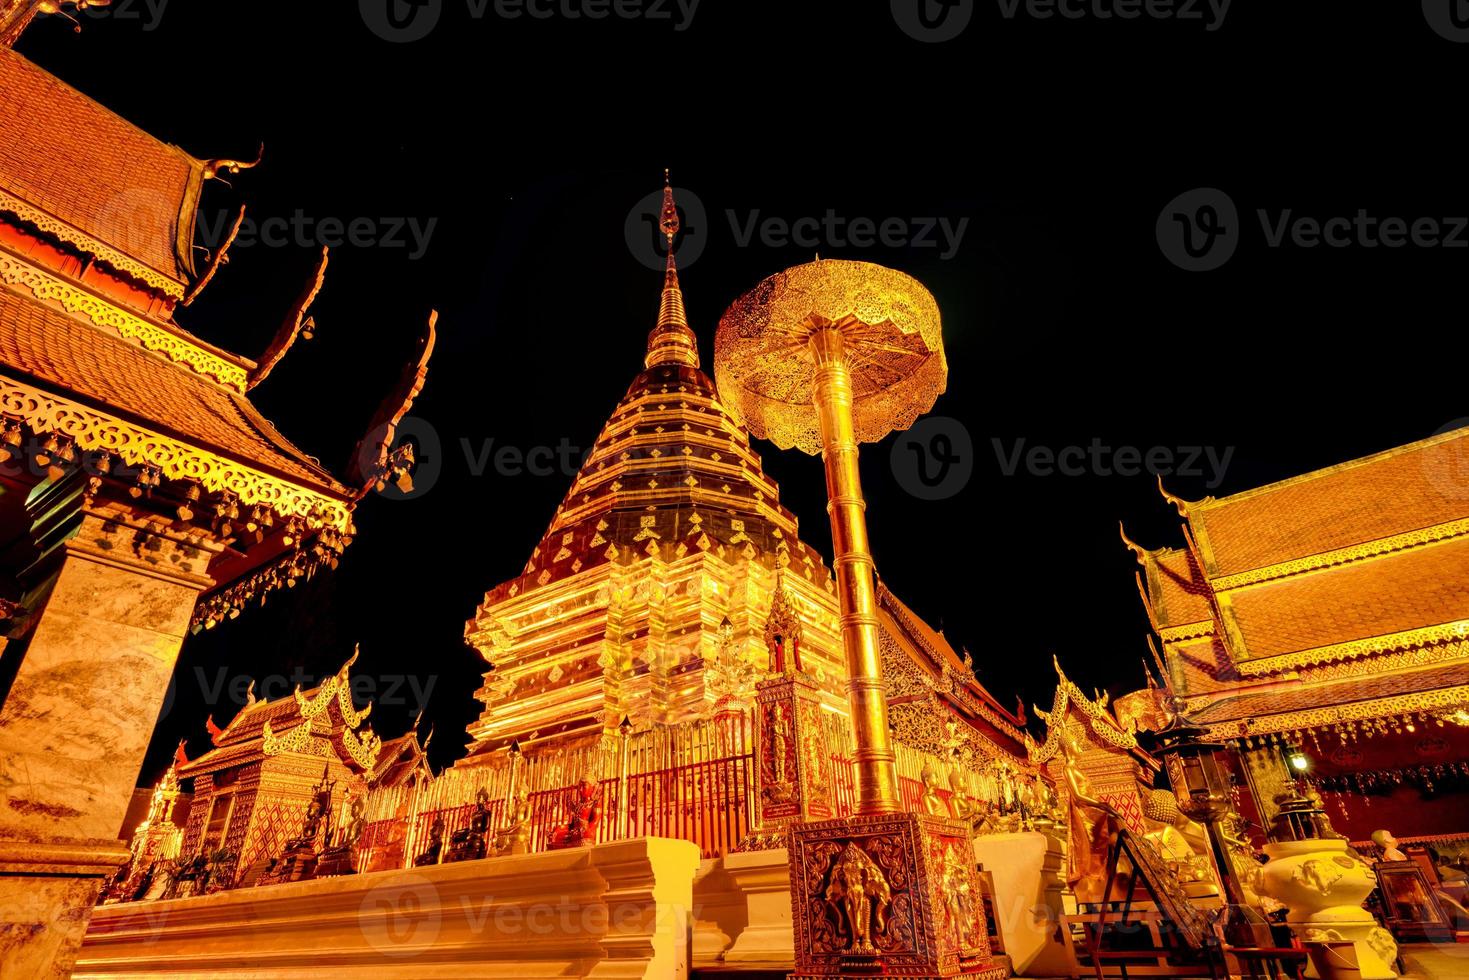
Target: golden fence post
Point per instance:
(624, 731)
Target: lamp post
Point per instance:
(822, 357)
(1202, 788)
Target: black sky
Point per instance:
(1058, 141)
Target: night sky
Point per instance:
(1048, 148)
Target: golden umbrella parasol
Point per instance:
(821, 357)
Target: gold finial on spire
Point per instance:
(671, 342)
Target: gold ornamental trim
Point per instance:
(1097, 713)
(1188, 631)
(1343, 556)
(1447, 697)
(1427, 636)
(76, 299)
(137, 446)
(52, 225)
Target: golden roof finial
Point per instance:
(671, 342)
(1138, 551)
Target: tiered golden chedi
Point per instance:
(670, 529)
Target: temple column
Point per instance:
(106, 609)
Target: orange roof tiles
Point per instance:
(1264, 703)
(73, 357)
(78, 161)
(1401, 591)
(1177, 589)
(1397, 491)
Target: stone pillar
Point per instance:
(106, 609)
(794, 771)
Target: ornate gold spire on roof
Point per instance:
(671, 341)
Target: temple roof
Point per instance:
(71, 356)
(98, 175)
(1361, 558)
(266, 728)
(1410, 487)
(1258, 704)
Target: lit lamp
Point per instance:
(1297, 760)
(821, 357)
(1202, 788)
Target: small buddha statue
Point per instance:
(1388, 844)
(933, 803)
(515, 838)
(1182, 843)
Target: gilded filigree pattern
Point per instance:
(1428, 636)
(1448, 697)
(1383, 663)
(891, 328)
(337, 689)
(92, 246)
(136, 446)
(75, 299)
(1100, 719)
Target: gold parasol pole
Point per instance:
(877, 771)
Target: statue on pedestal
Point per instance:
(471, 843)
(515, 838)
(1092, 822)
(581, 828)
(342, 859)
(388, 856)
(430, 854)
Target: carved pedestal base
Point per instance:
(893, 895)
(336, 861)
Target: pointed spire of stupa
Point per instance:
(671, 341)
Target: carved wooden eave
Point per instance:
(1095, 714)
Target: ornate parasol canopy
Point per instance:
(891, 337)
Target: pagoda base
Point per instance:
(891, 894)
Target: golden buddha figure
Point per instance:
(1092, 823)
(933, 803)
(1182, 843)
